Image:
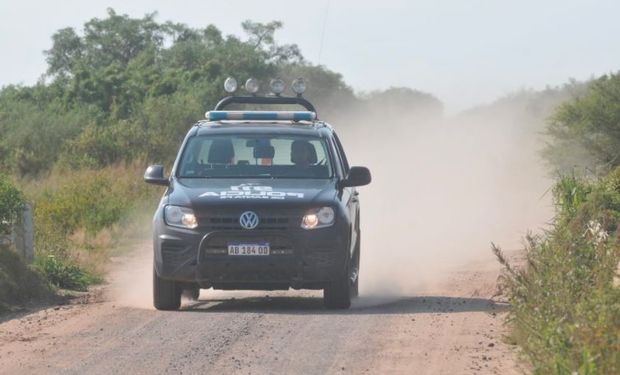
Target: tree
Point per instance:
(122, 88)
(261, 36)
(588, 126)
(395, 99)
(67, 50)
(11, 204)
(114, 40)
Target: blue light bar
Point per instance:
(261, 115)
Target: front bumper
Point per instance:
(301, 259)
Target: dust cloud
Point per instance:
(130, 273)
(443, 188)
(131, 277)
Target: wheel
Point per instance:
(355, 271)
(337, 295)
(166, 293)
(355, 289)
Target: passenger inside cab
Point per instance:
(303, 153)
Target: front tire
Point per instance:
(356, 269)
(166, 293)
(337, 295)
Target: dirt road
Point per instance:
(453, 328)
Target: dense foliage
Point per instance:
(585, 132)
(81, 215)
(126, 88)
(64, 274)
(566, 302)
(11, 204)
(566, 299)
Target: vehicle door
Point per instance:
(349, 194)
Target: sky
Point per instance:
(466, 53)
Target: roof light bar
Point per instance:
(261, 115)
(264, 100)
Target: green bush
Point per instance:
(62, 273)
(585, 131)
(34, 128)
(566, 300)
(11, 204)
(569, 193)
(89, 199)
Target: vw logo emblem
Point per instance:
(248, 220)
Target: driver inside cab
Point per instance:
(303, 154)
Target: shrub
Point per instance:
(81, 217)
(89, 199)
(62, 273)
(566, 305)
(585, 131)
(11, 203)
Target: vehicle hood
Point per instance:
(199, 193)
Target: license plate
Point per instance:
(249, 249)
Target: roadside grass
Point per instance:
(566, 299)
(84, 217)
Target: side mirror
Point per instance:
(155, 175)
(358, 176)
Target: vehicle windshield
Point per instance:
(255, 156)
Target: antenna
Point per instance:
(323, 30)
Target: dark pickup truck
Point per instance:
(262, 200)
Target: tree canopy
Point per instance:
(122, 88)
(585, 131)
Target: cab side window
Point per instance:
(336, 156)
(341, 155)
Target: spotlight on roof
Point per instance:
(230, 85)
(299, 86)
(252, 86)
(277, 86)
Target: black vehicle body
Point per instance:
(320, 258)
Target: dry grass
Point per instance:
(84, 217)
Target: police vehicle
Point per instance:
(260, 200)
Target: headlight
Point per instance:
(318, 218)
(180, 217)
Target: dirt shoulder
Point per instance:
(453, 328)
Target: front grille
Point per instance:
(268, 220)
(232, 223)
